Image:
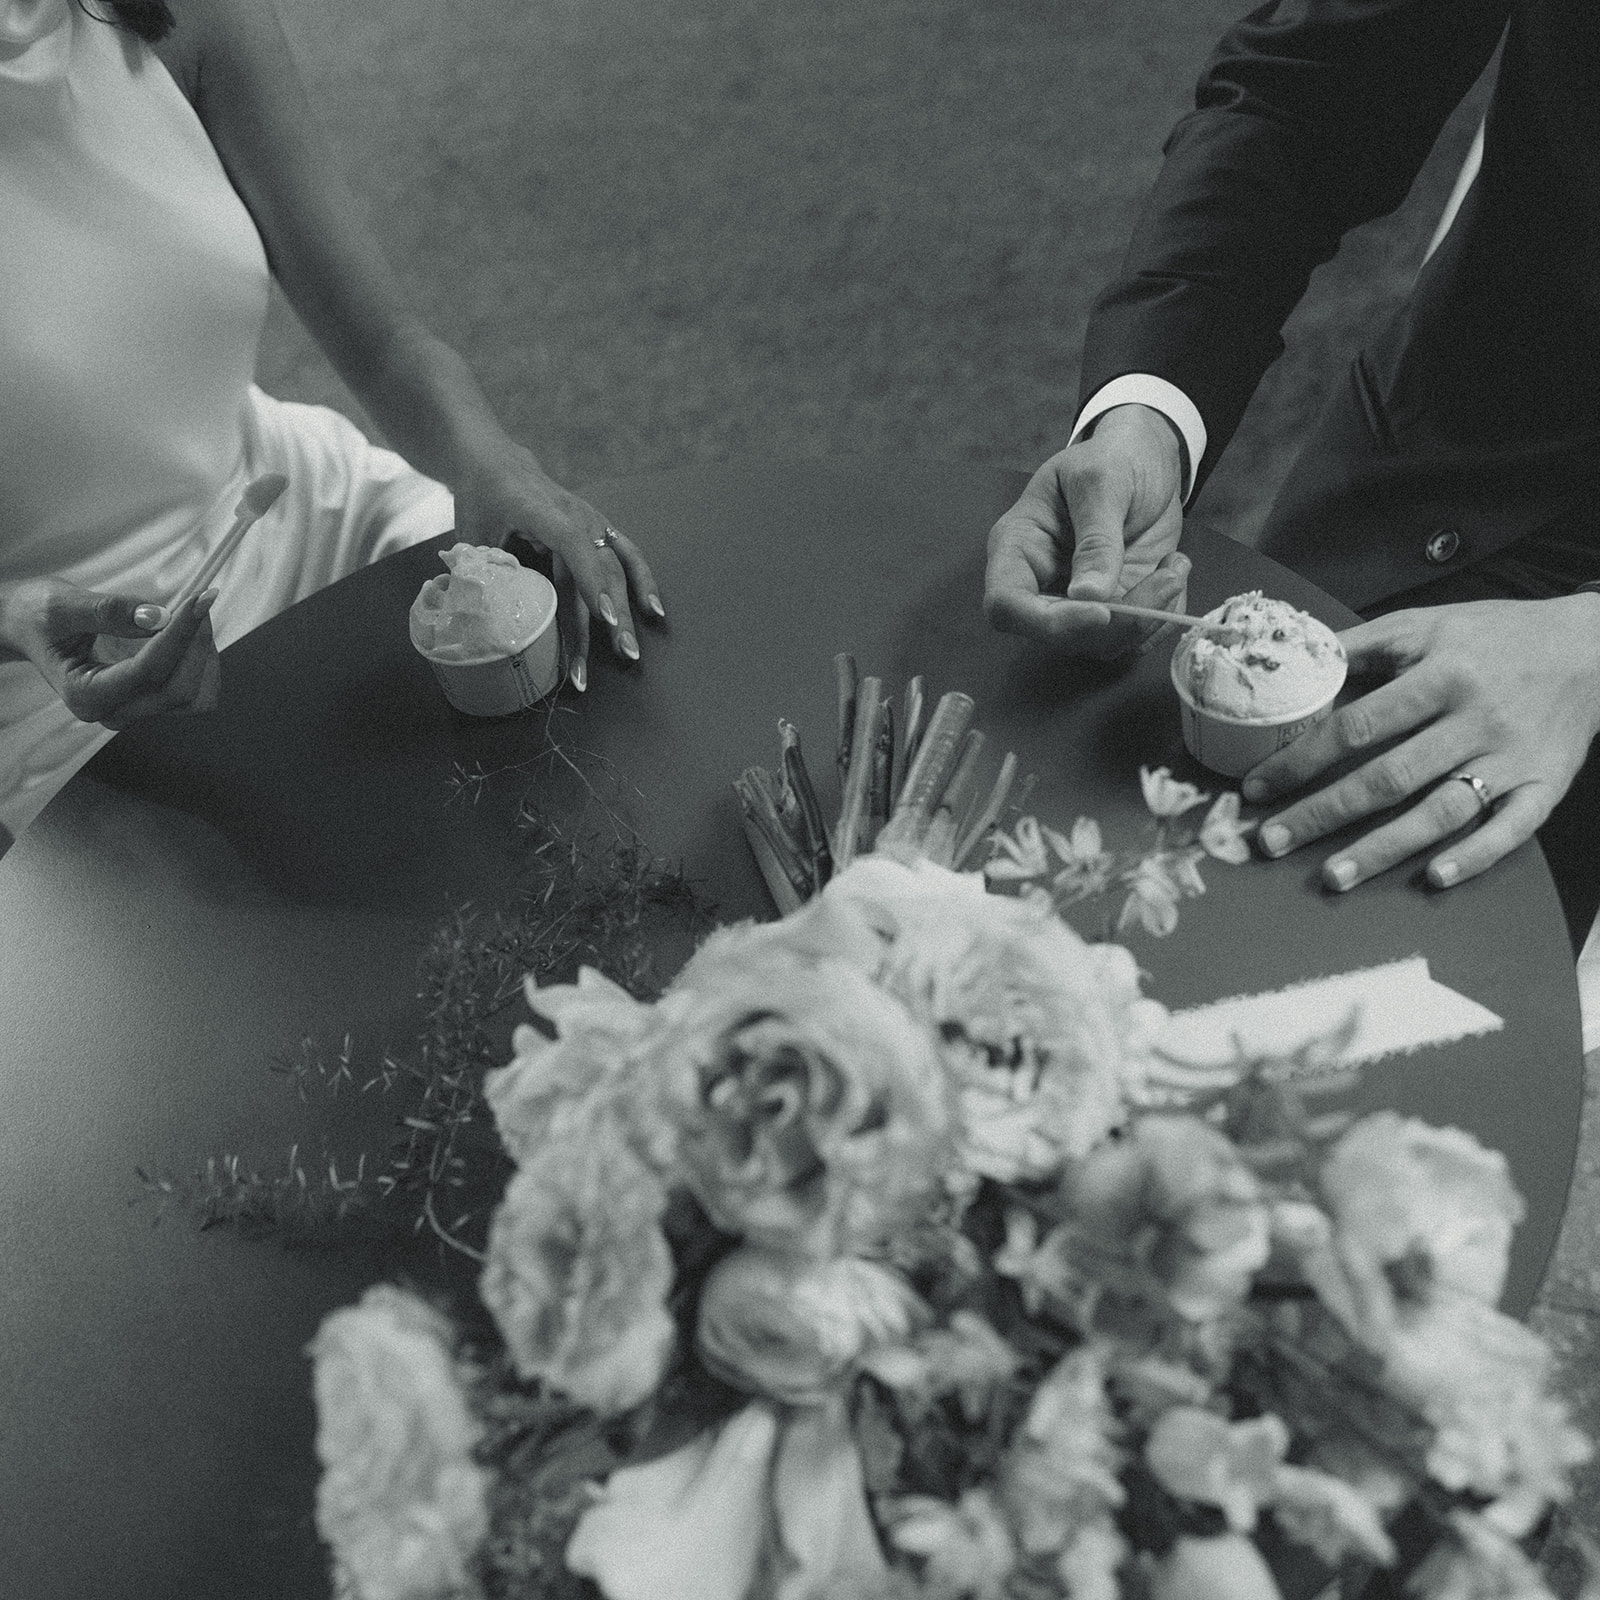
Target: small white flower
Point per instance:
(1086, 864)
(1020, 854)
(1225, 1566)
(967, 1547)
(1184, 868)
(1060, 1474)
(1200, 1456)
(1085, 843)
(967, 1358)
(1018, 1257)
(1152, 902)
(1222, 834)
(1330, 1516)
(1165, 796)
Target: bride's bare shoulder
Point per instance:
(215, 36)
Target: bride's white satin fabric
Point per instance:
(348, 503)
(133, 289)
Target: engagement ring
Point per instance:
(1479, 788)
(610, 534)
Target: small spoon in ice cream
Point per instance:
(1118, 608)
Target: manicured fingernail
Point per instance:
(1254, 789)
(579, 673)
(1274, 838)
(1444, 873)
(630, 646)
(204, 603)
(151, 618)
(654, 603)
(607, 610)
(1181, 564)
(1341, 874)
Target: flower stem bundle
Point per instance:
(907, 788)
(858, 780)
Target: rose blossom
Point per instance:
(1045, 1034)
(790, 1329)
(401, 1502)
(1428, 1208)
(551, 1087)
(1175, 1196)
(810, 1108)
(1481, 1379)
(578, 1273)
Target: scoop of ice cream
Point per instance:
(1278, 661)
(487, 605)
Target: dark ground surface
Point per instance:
(674, 232)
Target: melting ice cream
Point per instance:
(488, 605)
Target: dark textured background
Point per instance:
(667, 231)
(682, 231)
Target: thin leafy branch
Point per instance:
(583, 897)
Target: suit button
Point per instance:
(1442, 545)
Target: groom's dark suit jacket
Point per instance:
(1476, 412)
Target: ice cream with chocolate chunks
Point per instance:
(1276, 661)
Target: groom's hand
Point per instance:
(1099, 520)
(1505, 690)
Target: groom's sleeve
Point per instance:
(1313, 116)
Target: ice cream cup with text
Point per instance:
(488, 629)
(1245, 696)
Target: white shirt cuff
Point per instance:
(1144, 389)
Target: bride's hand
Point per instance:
(596, 567)
(55, 625)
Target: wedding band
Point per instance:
(1479, 788)
(610, 534)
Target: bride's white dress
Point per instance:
(133, 288)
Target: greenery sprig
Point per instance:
(590, 894)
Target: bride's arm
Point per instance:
(233, 60)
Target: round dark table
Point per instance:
(210, 891)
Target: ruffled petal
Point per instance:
(687, 1527)
(821, 1504)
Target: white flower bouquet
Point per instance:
(885, 1255)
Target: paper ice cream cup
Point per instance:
(499, 685)
(1231, 746)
